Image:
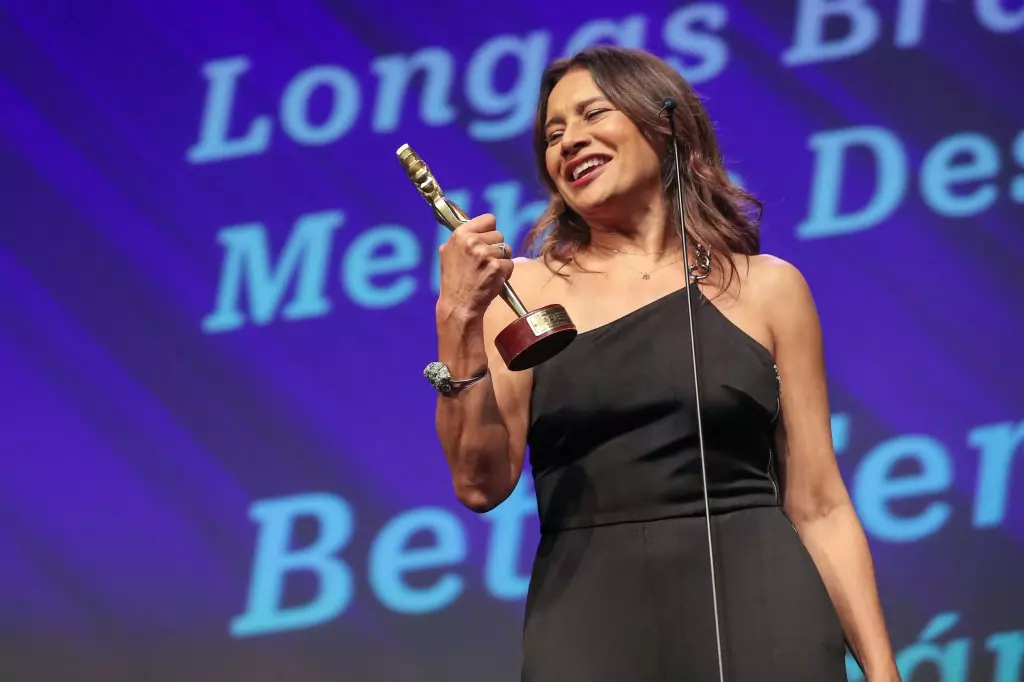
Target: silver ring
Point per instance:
(503, 247)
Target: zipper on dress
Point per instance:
(771, 476)
(778, 392)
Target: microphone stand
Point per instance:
(669, 106)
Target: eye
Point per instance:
(594, 113)
(554, 136)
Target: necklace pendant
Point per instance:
(644, 275)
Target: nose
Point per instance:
(572, 142)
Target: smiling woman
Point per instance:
(631, 487)
(620, 106)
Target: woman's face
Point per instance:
(597, 158)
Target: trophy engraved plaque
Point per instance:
(535, 336)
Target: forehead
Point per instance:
(575, 90)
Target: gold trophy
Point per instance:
(535, 336)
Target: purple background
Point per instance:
(133, 443)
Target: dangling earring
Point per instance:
(702, 264)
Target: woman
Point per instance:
(621, 588)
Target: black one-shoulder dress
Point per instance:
(621, 588)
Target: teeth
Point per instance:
(586, 165)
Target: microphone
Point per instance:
(669, 105)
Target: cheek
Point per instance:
(645, 162)
(551, 163)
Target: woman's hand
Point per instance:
(475, 263)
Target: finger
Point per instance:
(470, 240)
(492, 238)
(484, 253)
(506, 267)
(502, 250)
(486, 245)
(480, 224)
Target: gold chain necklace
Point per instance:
(646, 274)
(700, 270)
(630, 253)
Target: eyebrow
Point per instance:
(580, 106)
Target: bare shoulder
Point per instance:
(773, 277)
(777, 283)
(783, 293)
(531, 273)
(535, 281)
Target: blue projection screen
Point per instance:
(219, 459)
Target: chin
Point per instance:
(586, 201)
(598, 204)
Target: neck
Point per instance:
(645, 230)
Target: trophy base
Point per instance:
(536, 337)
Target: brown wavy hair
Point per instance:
(720, 215)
